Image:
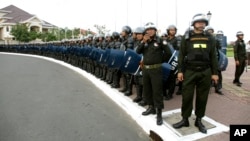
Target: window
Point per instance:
(7, 29)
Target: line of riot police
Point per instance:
(114, 56)
(109, 57)
(103, 56)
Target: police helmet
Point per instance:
(150, 25)
(115, 35)
(108, 35)
(219, 32)
(209, 28)
(89, 36)
(171, 27)
(139, 30)
(101, 36)
(239, 33)
(198, 18)
(127, 29)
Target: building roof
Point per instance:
(14, 15)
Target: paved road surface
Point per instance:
(44, 101)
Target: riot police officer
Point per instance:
(116, 74)
(106, 45)
(240, 57)
(169, 86)
(139, 32)
(127, 43)
(152, 48)
(197, 64)
(217, 86)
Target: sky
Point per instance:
(229, 16)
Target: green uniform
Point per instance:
(197, 61)
(241, 56)
(152, 70)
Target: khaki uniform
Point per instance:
(152, 70)
(197, 61)
(241, 56)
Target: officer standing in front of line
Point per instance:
(152, 48)
(197, 65)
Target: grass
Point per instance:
(230, 52)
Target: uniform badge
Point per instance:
(165, 42)
(155, 44)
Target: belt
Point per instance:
(197, 68)
(152, 66)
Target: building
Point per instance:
(11, 15)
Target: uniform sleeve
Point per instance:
(236, 51)
(181, 55)
(140, 48)
(167, 51)
(213, 57)
(130, 43)
(175, 44)
(218, 44)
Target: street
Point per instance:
(44, 101)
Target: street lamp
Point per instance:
(209, 15)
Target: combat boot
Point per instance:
(143, 102)
(218, 91)
(168, 96)
(183, 122)
(138, 98)
(159, 117)
(200, 126)
(125, 85)
(178, 92)
(150, 110)
(115, 83)
(129, 87)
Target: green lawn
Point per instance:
(230, 52)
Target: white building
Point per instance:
(11, 15)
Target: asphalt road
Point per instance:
(44, 101)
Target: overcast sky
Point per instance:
(229, 16)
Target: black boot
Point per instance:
(159, 117)
(143, 102)
(183, 122)
(150, 110)
(125, 85)
(115, 83)
(138, 98)
(129, 87)
(218, 91)
(168, 96)
(200, 126)
(178, 92)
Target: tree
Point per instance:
(101, 29)
(33, 35)
(21, 33)
(75, 32)
(48, 36)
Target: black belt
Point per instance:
(197, 68)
